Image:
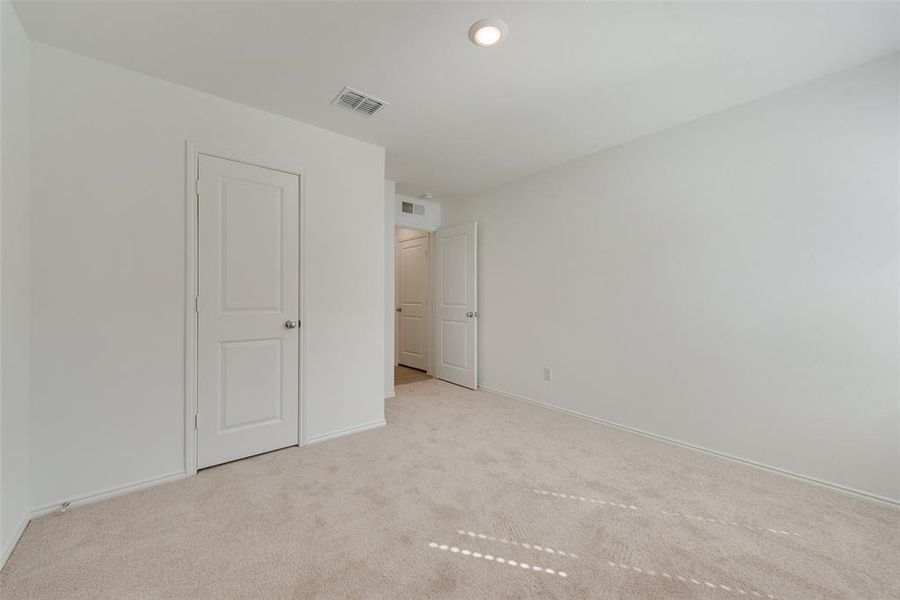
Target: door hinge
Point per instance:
(196, 303)
(197, 188)
(195, 421)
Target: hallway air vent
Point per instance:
(358, 102)
(412, 208)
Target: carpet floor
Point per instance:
(468, 495)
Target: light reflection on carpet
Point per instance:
(665, 512)
(527, 546)
(496, 559)
(691, 580)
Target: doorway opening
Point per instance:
(413, 306)
(435, 304)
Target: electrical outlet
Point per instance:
(548, 374)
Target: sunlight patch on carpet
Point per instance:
(691, 580)
(733, 523)
(495, 559)
(527, 546)
(665, 512)
(583, 499)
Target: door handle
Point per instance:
(399, 309)
(290, 324)
(470, 314)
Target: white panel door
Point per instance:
(412, 303)
(249, 301)
(456, 305)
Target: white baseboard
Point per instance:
(834, 486)
(7, 552)
(87, 499)
(149, 482)
(342, 432)
(169, 477)
(108, 493)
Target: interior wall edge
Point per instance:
(13, 542)
(15, 278)
(868, 496)
(390, 201)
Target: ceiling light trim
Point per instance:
(487, 33)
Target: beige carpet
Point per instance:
(468, 495)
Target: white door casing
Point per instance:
(413, 281)
(248, 363)
(456, 307)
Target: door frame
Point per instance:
(193, 150)
(429, 295)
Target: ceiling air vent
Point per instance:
(411, 208)
(358, 101)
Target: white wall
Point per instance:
(109, 254)
(15, 285)
(430, 221)
(730, 283)
(390, 188)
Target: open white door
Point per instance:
(456, 305)
(248, 333)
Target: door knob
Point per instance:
(470, 314)
(290, 324)
(399, 309)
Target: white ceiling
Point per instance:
(570, 80)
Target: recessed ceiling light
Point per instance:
(488, 32)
